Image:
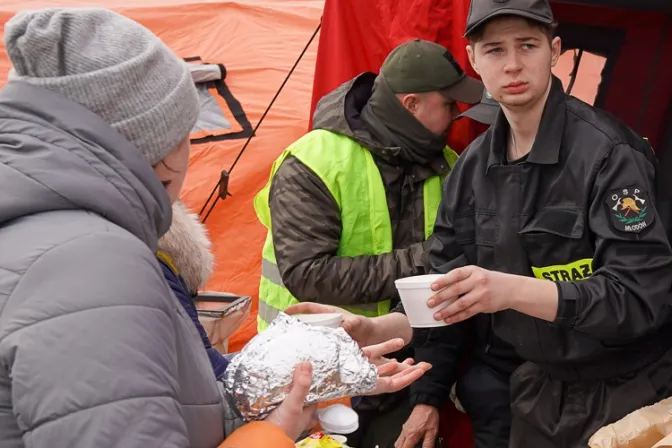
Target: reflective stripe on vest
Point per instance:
(353, 179)
(270, 271)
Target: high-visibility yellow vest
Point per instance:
(350, 174)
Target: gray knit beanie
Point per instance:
(111, 65)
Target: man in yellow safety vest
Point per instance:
(353, 202)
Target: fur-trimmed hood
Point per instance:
(188, 244)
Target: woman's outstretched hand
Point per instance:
(393, 375)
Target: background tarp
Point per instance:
(357, 35)
(638, 90)
(258, 42)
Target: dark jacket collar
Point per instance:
(546, 147)
(340, 112)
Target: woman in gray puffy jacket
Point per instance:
(94, 147)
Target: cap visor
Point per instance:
(509, 12)
(483, 113)
(468, 90)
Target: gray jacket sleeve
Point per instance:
(306, 235)
(91, 350)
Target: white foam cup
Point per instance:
(338, 419)
(414, 293)
(331, 320)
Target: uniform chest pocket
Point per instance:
(557, 246)
(477, 234)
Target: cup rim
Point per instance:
(417, 281)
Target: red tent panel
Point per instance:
(357, 35)
(639, 91)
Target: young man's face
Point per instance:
(514, 59)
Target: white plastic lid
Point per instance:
(332, 320)
(417, 281)
(338, 419)
(339, 438)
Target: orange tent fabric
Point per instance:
(257, 42)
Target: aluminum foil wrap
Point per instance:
(257, 378)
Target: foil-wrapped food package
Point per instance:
(258, 377)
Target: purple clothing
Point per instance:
(179, 287)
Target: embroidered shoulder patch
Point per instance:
(629, 209)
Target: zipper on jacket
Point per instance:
(488, 339)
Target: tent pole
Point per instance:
(575, 71)
(225, 174)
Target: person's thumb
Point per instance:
(301, 308)
(352, 326)
(303, 377)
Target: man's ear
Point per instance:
(472, 58)
(556, 48)
(410, 102)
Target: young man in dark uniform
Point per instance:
(556, 212)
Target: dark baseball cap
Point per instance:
(420, 66)
(484, 112)
(480, 11)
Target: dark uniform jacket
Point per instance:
(587, 191)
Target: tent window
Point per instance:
(601, 47)
(212, 120)
(221, 115)
(581, 73)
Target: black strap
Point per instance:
(223, 183)
(575, 70)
